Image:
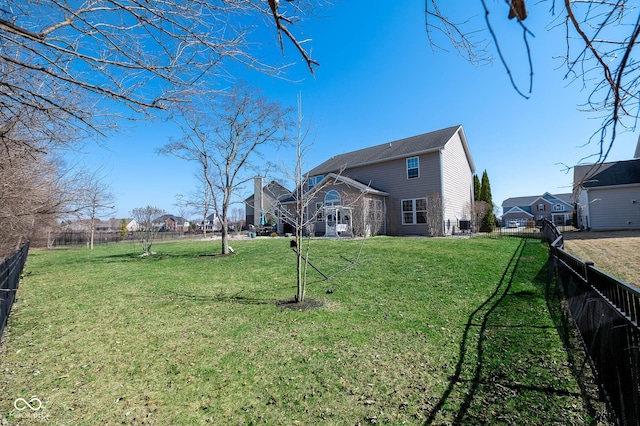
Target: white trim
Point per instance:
(417, 167)
(414, 211)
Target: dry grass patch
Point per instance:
(613, 252)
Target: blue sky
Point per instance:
(379, 80)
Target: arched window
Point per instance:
(332, 198)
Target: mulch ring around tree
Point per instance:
(307, 304)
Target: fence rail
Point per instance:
(605, 311)
(10, 272)
(75, 238)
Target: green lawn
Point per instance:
(421, 330)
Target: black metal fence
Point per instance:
(75, 238)
(606, 314)
(10, 272)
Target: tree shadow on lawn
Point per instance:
(257, 297)
(489, 382)
(159, 256)
(224, 297)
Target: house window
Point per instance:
(414, 211)
(558, 208)
(541, 207)
(413, 167)
(319, 212)
(313, 181)
(332, 198)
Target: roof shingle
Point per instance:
(609, 174)
(397, 149)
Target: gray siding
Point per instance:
(457, 182)
(613, 208)
(391, 177)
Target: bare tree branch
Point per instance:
(224, 137)
(600, 39)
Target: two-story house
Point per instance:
(420, 185)
(171, 223)
(556, 208)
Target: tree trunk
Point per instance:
(299, 267)
(204, 226)
(225, 239)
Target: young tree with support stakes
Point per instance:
(300, 221)
(299, 218)
(302, 224)
(225, 136)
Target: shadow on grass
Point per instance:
(578, 359)
(238, 297)
(479, 317)
(257, 297)
(476, 367)
(160, 256)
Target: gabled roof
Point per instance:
(366, 189)
(608, 174)
(552, 199)
(273, 189)
(530, 200)
(332, 177)
(516, 209)
(178, 219)
(414, 145)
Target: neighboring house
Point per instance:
(396, 188)
(82, 225)
(170, 223)
(132, 225)
(556, 208)
(609, 194)
(213, 223)
(262, 207)
(111, 225)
